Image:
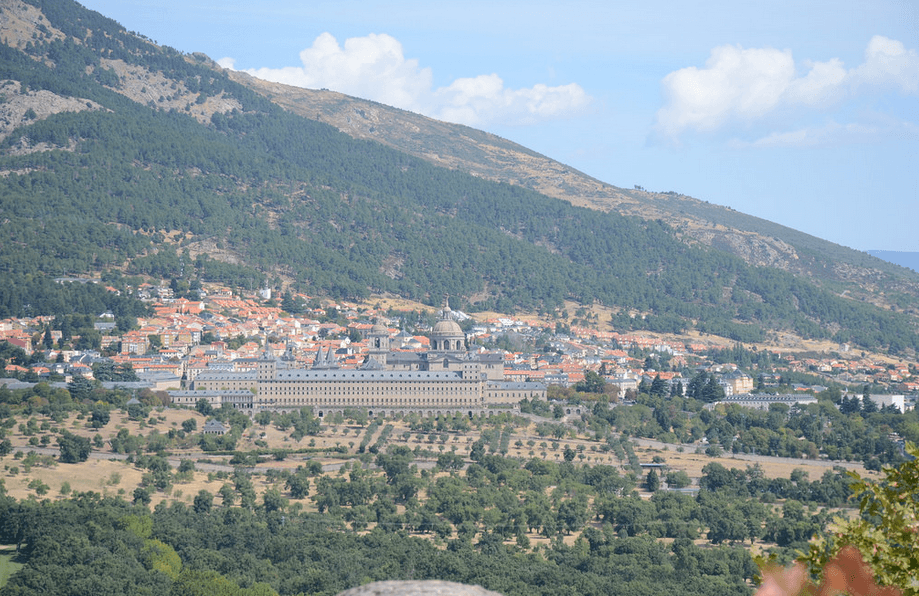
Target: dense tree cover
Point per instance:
(482, 515)
(34, 295)
(91, 544)
(380, 517)
(885, 532)
(347, 217)
(109, 371)
(800, 431)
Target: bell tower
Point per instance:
(379, 342)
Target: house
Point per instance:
(214, 427)
(134, 342)
(737, 383)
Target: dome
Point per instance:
(379, 330)
(447, 327)
(447, 335)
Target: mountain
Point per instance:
(759, 242)
(120, 157)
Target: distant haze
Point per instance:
(897, 257)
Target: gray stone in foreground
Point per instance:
(418, 588)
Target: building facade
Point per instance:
(445, 380)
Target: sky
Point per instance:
(805, 113)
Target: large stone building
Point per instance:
(762, 401)
(447, 379)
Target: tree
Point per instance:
(713, 450)
(142, 496)
(204, 407)
(74, 449)
(659, 387)
(227, 494)
(293, 304)
(477, 451)
(850, 406)
(868, 405)
(715, 477)
(298, 484)
(395, 462)
(204, 500)
(727, 524)
(81, 388)
(712, 391)
(273, 500)
(449, 461)
(156, 343)
(652, 481)
(678, 479)
(592, 383)
(572, 513)
(886, 531)
(358, 415)
(696, 385)
(192, 582)
(136, 411)
(569, 454)
(644, 387)
(677, 390)
(100, 416)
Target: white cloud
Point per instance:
(476, 101)
(374, 67)
(888, 64)
(735, 83)
(830, 133)
(822, 85)
(833, 134)
(744, 86)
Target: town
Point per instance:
(185, 340)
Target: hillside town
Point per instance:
(224, 332)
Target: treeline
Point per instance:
(381, 517)
(92, 544)
(30, 296)
(347, 217)
(470, 527)
(812, 430)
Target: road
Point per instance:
(752, 457)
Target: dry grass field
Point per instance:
(24, 477)
(773, 467)
(116, 477)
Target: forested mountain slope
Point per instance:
(206, 178)
(759, 242)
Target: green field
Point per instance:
(8, 564)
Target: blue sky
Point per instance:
(803, 113)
